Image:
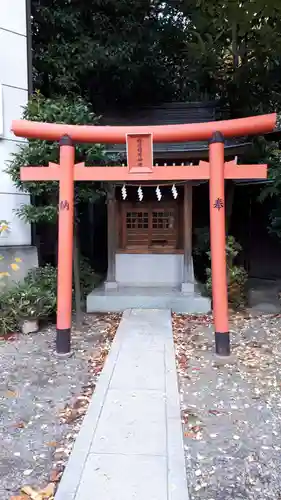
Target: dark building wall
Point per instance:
(261, 254)
(262, 250)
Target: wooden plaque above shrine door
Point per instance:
(150, 227)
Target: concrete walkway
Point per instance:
(130, 445)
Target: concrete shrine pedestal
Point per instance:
(149, 282)
(149, 269)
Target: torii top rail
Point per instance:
(140, 168)
(161, 133)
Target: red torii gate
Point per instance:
(140, 168)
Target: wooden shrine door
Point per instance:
(150, 227)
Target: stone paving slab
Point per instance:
(127, 477)
(130, 446)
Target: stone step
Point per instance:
(117, 300)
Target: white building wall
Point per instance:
(13, 96)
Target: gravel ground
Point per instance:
(231, 414)
(43, 400)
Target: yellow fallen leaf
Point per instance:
(45, 494)
(15, 267)
(3, 274)
(17, 259)
(48, 492)
(32, 494)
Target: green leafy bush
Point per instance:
(45, 279)
(88, 277)
(66, 109)
(36, 297)
(27, 301)
(236, 275)
(8, 322)
(24, 301)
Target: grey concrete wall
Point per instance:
(149, 269)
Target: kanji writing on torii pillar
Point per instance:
(140, 167)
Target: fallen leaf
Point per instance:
(9, 337)
(51, 443)
(4, 274)
(32, 494)
(11, 394)
(55, 476)
(19, 425)
(14, 266)
(19, 497)
(48, 492)
(69, 415)
(215, 412)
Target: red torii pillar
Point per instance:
(65, 245)
(218, 241)
(140, 168)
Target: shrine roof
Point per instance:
(175, 113)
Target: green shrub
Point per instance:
(236, 281)
(27, 301)
(45, 279)
(36, 296)
(8, 322)
(236, 275)
(88, 278)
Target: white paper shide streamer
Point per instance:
(140, 193)
(158, 193)
(174, 191)
(124, 192)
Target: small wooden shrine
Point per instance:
(150, 224)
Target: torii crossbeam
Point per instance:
(140, 168)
